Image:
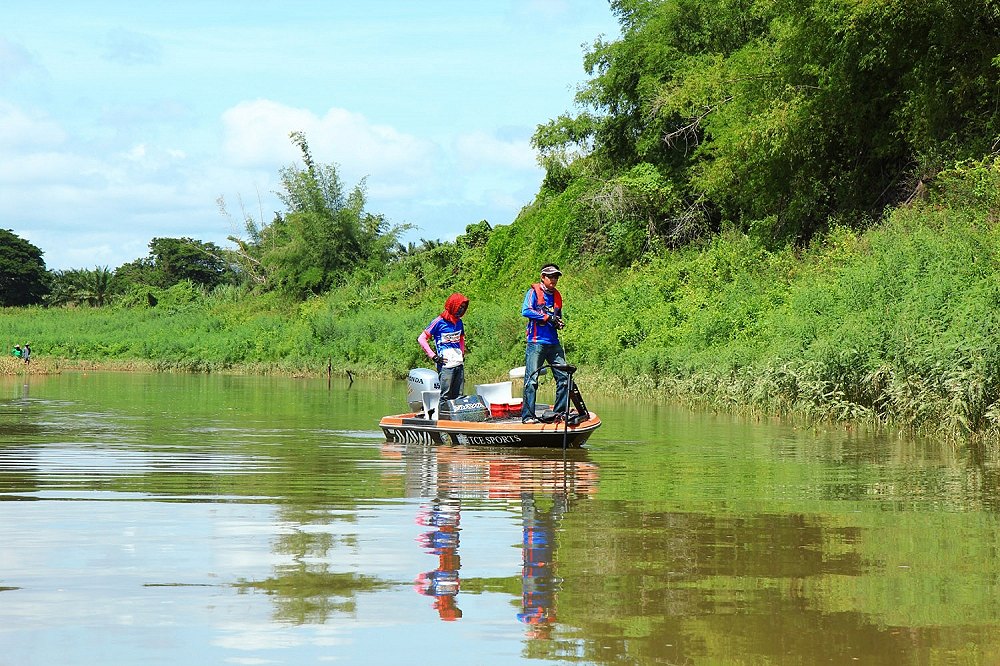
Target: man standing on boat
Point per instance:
(448, 333)
(543, 307)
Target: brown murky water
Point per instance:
(167, 519)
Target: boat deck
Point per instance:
(505, 431)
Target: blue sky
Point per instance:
(124, 121)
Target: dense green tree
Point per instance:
(23, 278)
(324, 233)
(174, 260)
(179, 259)
(476, 235)
(775, 114)
(138, 272)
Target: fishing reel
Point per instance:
(556, 320)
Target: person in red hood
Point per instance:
(448, 334)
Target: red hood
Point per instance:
(452, 306)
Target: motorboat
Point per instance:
(490, 417)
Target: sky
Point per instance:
(124, 121)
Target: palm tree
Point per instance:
(80, 285)
(95, 286)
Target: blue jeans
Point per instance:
(452, 380)
(536, 355)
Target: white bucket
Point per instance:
(499, 393)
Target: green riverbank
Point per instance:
(893, 326)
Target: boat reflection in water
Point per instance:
(542, 485)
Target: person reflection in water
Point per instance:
(538, 579)
(442, 583)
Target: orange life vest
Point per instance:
(540, 296)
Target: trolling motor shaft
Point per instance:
(581, 407)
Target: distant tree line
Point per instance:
(24, 279)
(324, 234)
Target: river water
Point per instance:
(204, 519)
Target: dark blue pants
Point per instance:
(536, 355)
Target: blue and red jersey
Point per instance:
(449, 340)
(539, 307)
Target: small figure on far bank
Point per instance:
(16, 352)
(448, 333)
(26, 353)
(543, 307)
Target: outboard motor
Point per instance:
(418, 381)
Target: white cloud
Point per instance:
(137, 153)
(19, 129)
(549, 9)
(131, 48)
(257, 134)
(41, 168)
(15, 60)
(483, 150)
(84, 206)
